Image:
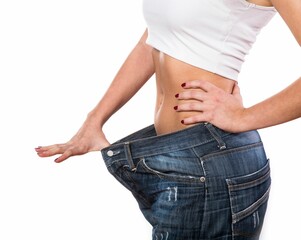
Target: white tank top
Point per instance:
(214, 35)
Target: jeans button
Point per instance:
(203, 179)
(110, 153)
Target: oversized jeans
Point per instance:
(199, 183)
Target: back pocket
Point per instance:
(248, 198)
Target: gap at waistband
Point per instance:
(145, 142)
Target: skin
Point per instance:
(227, 112)
(136, 70)
(205, 97)
(170, 73)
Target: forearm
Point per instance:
(133, 74)
(280, 108)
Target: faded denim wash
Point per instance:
(200, 183)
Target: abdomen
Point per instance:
(170, 74)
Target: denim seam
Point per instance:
(266, 167)
(128, 154)
(241, 186)
(247, 211)
(180, 149)
(181, 178)
(163, 152)
(115, 161)
(168, 149)
(230, 150)
(221, 144)
(203, 225)
(125, 184)
(200, 161)
(129, 178)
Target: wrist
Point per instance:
(246, 121)
(95, 119)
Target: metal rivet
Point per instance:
(203, 179)
(110, 153)
(222, 147)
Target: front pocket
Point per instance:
(248, 198)
(181, 170)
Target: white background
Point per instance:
(56, 60)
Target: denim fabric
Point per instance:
(199, 183)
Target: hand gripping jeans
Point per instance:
(199, 183)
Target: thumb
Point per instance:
(64, 156)
(236, 92)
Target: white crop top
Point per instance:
(214, 35)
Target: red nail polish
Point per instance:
(175, 107)
(177, 95)
(183, 84)
(182, 121)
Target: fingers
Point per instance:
(51, 150)
(68, 153)
(236, 92)
(196, 95)
(204, 85)
(202, 117)
(202, 109)
(193, 94)
(89, 138)
(191, 106)
(48, 151)
(201, 90)
(72, 150)
(206, 95)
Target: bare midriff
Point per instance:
(170, 74)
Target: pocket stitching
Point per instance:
(252, 208)
(162, 175)
(248, 183)
(232, 150)
(241, 186)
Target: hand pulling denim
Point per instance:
(200, 183)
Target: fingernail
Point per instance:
(56, 160)
(183, 84)
(182, 121)
(175, 107)
(177, 95)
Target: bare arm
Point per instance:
(133, 74)
(227, 112)
(280, 108)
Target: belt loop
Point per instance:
(217, 137)
(128, 154)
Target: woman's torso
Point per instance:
(170, 74)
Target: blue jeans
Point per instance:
(199, 183)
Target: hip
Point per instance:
(196, 183)
(199, 144)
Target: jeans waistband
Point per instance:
(145, 142)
